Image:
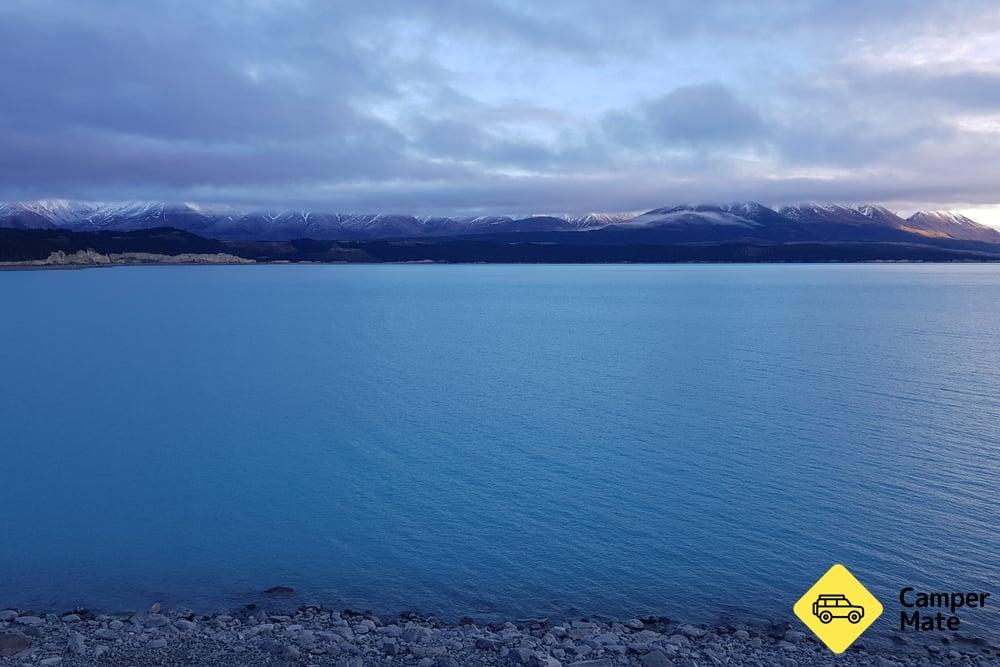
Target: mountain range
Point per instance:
(745, 221)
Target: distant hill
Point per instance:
(697, 223)
(59, 247)
(944, 224)
(22, 245)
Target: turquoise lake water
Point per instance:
(498, 441)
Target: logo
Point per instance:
(838, 608)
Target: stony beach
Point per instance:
(313, 635)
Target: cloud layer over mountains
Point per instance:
(501, 105)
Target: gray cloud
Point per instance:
(696, 115)
(497, 105)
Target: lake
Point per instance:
(498, 441)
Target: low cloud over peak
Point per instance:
(498, 106)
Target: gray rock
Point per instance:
(603, 662)
(794, 636)
(156, 643)
(106, 634)
(635, 624)
(416, 634)
(521, 656)
(486, 644)
(76, 644)
(185, 625)
(742, 635)
(691, 631)
(155, 609)
(7, 615)
(12, 643)
(426, 662)
(53, 660)
(30, 620)
(155, 621)
(391, 630)
(71, 618)
(271, 646)
(545, 661)
(280, 590)
(116, 625)
(656, 658)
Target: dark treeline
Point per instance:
(27, 245)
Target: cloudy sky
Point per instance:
(461, 106)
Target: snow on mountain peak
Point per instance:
(950, 225)
(741, 218)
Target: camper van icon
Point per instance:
(828, 607)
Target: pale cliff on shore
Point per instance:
(313, 635)
(83, 258)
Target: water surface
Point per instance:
(498, 440)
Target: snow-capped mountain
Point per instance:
(45, 214)
(935, 224)
(860, 214)
(684, 223)
(693, 215)
(595, 220)
(280, 225)
(945, 224)
(879, 214)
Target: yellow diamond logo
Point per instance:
(838, 608)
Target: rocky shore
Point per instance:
(88, 258)
(314, 635)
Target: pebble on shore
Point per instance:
(317, 636)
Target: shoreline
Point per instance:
(42, 265)
(316, 635)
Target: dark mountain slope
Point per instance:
(35, 244)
